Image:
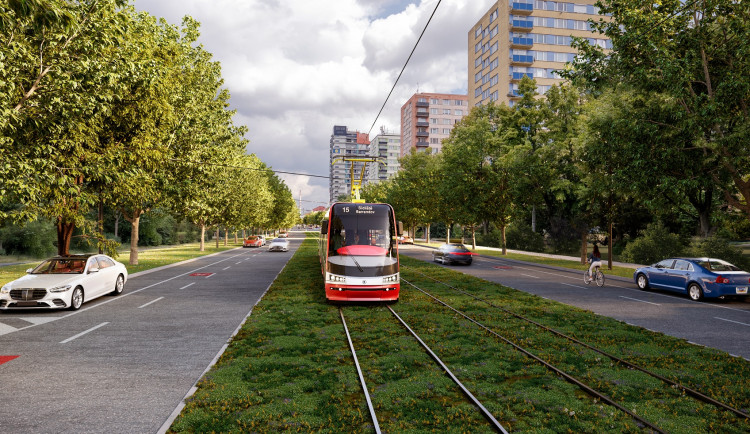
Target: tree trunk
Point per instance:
(226, 236)
(64, 235)
(448, 233)
(235, 236)
(473, 238)
(584, 247)
(101, 223)
(134, 239)
(505, 250)
(203, 237)
(217, 237)
(533, 218)
(609, 253)
(427, 233)
(117, 223)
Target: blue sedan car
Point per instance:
(698, 277)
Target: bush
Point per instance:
(654, 244)
(719, 247)
(519, 236)
(37, 239)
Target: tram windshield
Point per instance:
(362, 240)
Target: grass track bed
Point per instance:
(289, 369)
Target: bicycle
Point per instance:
(598, 276)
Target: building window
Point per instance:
(436, 101)
(434, 120)
(477, 46)
(433, 111)
(493, 16)
(478, 31)
(447, 121)
(446, 111)
(458, 112)
(421, 99)
(434, 141)
(434, 130)
(446, 102)
(446, 131)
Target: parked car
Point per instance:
(65, 282)
(262, 239)
(405, 239)
(696, 277)
(283, 234)
(252, 241)
(279, 245)
(455, 253)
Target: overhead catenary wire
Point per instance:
(402, 69)
(261, 169)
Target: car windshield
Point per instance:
(456, 248)
(60, 266)
(279, 240)
(252, 238)
(718, 265)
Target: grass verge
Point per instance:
(289, 368)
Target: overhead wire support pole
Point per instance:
(357, 185)
(402, 69)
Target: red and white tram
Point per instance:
(359, 252)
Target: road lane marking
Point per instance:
(6, 359)
(238, 263)
(5, 329)
(642, 301)
(529, 275)
(189, 284)
(150, 302)
(729, 320)
(83, 333)
(574, 286)
(226, 268)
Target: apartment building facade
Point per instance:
(345, 143)
(517, 38)
(428, 118)
(386, 146)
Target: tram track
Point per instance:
(486, 413)
(571, 378)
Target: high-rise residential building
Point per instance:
(518, 38)
(345, 143)
(386, 146)
(428, 118)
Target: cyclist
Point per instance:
(595, 259)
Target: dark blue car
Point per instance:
(697, 277)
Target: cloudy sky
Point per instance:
(296, 68)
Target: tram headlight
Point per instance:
(393, 278)
(333, 278)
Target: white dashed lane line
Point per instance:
(150, 302)
(83, 333)
(729, 320)
(189, 284)
(641, 301)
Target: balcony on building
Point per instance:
(423, 104)
(521, 8)
(522, 25)
(423, 123)
(423, 134)
(519, 42)
(513, 94)
(422, 144)
(518, 76)
(521, 59)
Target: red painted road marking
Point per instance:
(4, 359)
(201, 274)
(502, 267)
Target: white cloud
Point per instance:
(296, 68)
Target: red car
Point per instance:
(252, 241)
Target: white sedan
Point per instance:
(65, 282)
(279, 245)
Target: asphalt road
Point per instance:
(724, 325)
(125, 363)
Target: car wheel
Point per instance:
(642, 282)
(695, 292)
(119, 285)
(76, 299)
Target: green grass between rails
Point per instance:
(289, 368)
(147, 259)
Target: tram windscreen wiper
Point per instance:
(357, 264)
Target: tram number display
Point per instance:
(359, 209)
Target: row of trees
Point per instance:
(105, 106)
(656, 129)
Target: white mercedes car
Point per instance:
(279, 245)
(65, 282)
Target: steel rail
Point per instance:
(359, 372)
(694, 393)
(476, 402)
(570, 378)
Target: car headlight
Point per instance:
(5, 289)
(333, 278)
(391, 279)
(61, 288)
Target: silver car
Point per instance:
(279, 245)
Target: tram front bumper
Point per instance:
(338, 292)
